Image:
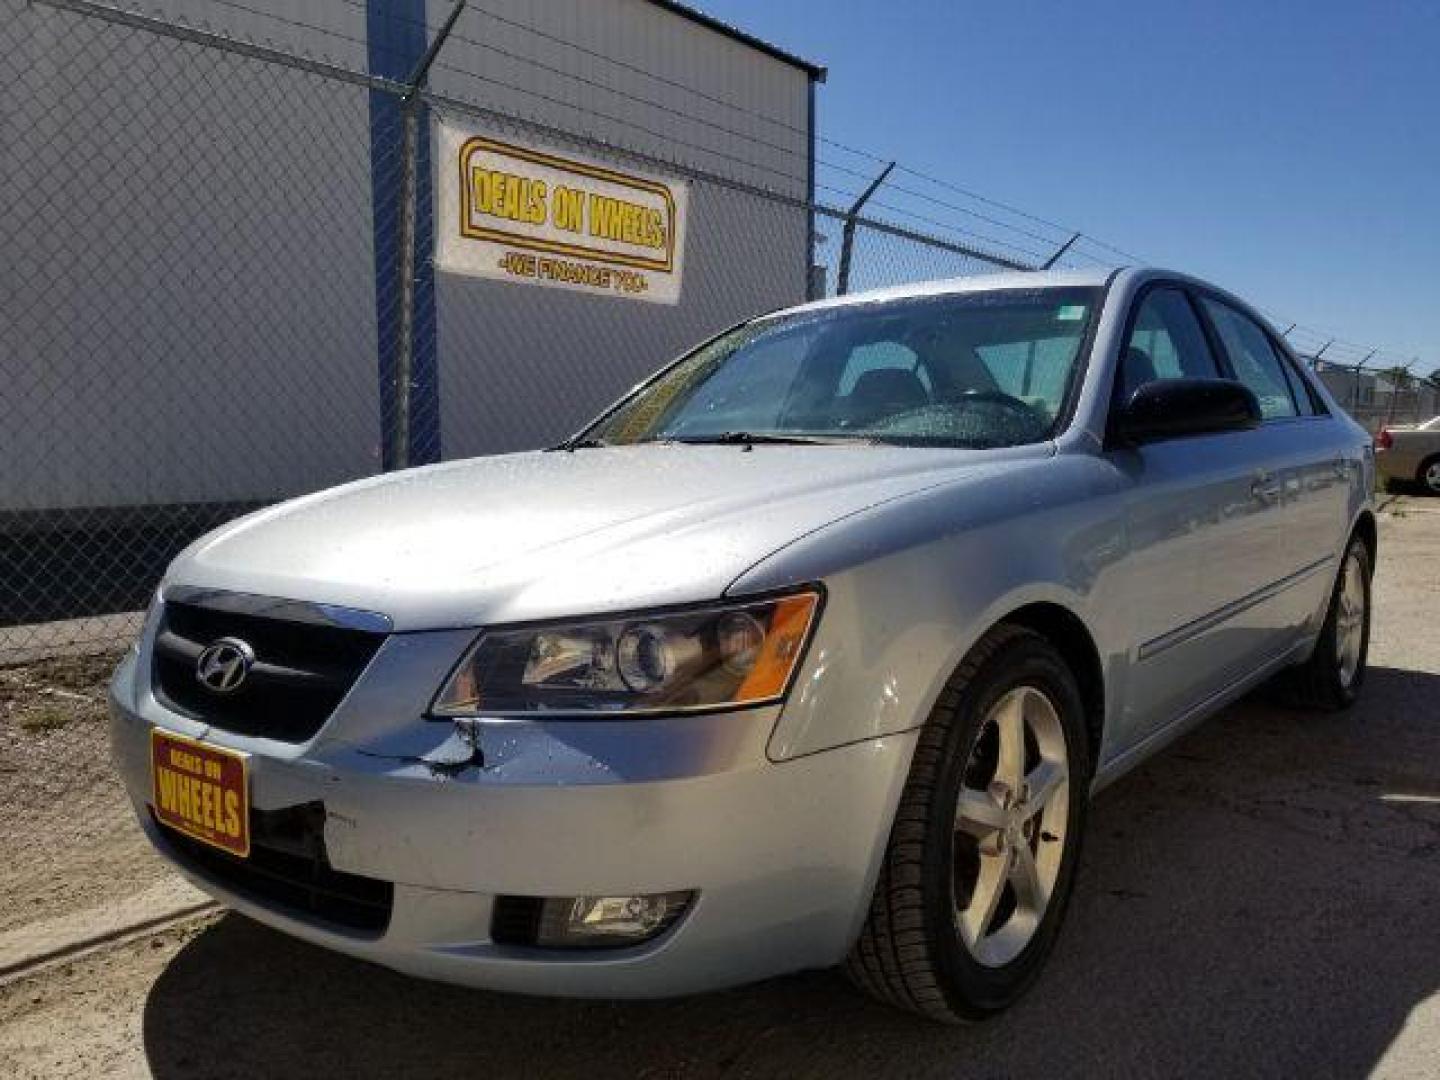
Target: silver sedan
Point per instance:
(810, 651)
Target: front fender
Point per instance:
(913, 585)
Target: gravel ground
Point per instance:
(68, 841)
(1262, 899)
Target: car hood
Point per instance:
(545, 534)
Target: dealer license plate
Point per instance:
(200, 790)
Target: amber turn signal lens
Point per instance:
(785, 637)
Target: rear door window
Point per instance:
(1305, 399)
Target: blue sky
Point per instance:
(1289, 151)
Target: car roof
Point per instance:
(1036, 279)
(1130, 277)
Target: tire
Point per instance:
(1428, 475)
(919, 949)
(1327, 682)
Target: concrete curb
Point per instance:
(38, 945)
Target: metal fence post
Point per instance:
(1315, 357)
(847, 235)
(405, 345)
(1359, 382)
(409, 198)
(1049, 263)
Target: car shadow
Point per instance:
(1262, 899)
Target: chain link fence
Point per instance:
(1384, 398)
(160, 194)
(1380, 397)
(1374, 386)
(208, 304)
(221, 293)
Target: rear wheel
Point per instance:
(983, 850)
(1331, 679)
(1429, 474)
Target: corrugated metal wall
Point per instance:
(521, 366)
(188, 309)
(188, 271)
(643, 78)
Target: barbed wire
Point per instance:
(800, 155)
(1087, 248)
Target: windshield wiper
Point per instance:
(762, 438)
(726, 438)
(578, 443)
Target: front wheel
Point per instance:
(982, 853)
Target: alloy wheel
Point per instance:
(1010, 826)
(1350, 619)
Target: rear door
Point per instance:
(1307, 456)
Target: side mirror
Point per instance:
(1173, 408)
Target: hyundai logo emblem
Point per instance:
(224, 664)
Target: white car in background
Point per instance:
(1410, 453)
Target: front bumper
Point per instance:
(781, 855)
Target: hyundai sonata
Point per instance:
(809, 651)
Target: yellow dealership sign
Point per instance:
(522, 214)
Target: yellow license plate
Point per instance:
(201, 791)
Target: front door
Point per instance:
(1204, 526)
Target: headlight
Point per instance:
(720, 656)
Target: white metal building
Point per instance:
(207, 330)
(199, 302)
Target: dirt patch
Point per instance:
(68, 839)
(51, 694)
(97, 1002)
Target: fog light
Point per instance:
(599, 922)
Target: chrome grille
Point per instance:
(301, 670)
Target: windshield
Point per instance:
(976, 370)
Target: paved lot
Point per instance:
(1264, 899)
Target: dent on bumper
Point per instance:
(781, 855)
